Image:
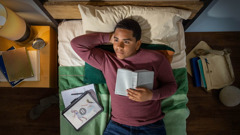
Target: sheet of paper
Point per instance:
(34, 56)
(123, 81)
(145, 79)
(71, 94)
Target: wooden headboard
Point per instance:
(69, 10)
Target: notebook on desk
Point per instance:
(17, 64)
(34, 56)
(3, 73)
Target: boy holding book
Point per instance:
(140, 111)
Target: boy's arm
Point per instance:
(168, 85)
(85, 45)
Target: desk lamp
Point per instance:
(13, 27)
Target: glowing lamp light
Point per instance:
(12, 26)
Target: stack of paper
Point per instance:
(71, 94)
(34, 56)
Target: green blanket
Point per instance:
(174, 107)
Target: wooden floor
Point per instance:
(208, 116)
(15, 105)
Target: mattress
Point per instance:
(71, 75)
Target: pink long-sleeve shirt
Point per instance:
(124, 110)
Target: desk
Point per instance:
(48, 58)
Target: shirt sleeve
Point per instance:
(85, 47)
(165, 77)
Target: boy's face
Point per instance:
(124, 44)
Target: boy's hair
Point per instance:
(132, 25)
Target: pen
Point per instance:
(207, 63)
(76, 93)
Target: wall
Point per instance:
(29, 11)
(220, 15)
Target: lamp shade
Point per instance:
(12, 26)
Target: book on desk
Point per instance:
(19, 65)
(3, 73)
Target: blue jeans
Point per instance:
(114, 128)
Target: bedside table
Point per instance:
(48, 58)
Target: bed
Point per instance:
(161, 23)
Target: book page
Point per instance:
(145, 79)
(134, 80)
(123, 81)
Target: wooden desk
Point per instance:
(48, 58)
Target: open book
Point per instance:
(131, 79)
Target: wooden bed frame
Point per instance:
(59, 9)
(69, 10)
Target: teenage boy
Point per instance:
(140, 111)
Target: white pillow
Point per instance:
(160, 25)
(67, 30)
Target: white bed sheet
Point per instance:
(67, 30)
